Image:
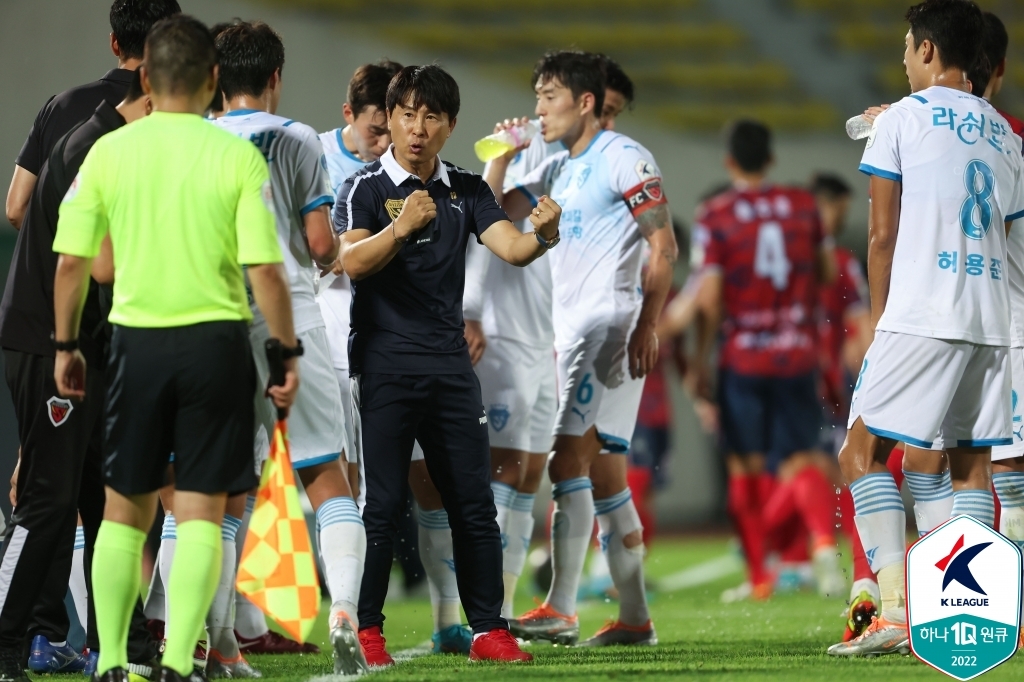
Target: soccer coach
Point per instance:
(185, 205)
(406, 220)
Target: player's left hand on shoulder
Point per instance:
(545, 217)
(643, 351)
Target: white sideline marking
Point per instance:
(701, 574)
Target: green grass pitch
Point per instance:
(701, 639)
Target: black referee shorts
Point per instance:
(187, 390)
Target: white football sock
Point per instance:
(438, 557)
(520, 533)
(571, 528)
(976, 503)
(893, 587)
(220, 621)
(76, 583)
(1009, 487)
(617, 518)
(168, 541)
(933, 499)
(249, 620)
(504, 495)
(154, 608)
(881, 520)
(342, 539)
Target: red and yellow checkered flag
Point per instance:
(277, 572)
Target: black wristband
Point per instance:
(289, 353)
(66, 346)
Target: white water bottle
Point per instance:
(493, 146)
(859, 127)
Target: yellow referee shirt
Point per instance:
(186, 205)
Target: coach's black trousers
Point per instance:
(445, 414)
(60, 477)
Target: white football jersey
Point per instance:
(514, 303)
(1015, 279)
(961, 171)
(335, 292)
(596, 267)
(298, 178)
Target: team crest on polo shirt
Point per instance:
(394, 207)
(59, 410)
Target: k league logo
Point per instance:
(963, 598)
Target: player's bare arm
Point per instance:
(103, 263)
(364, 253)
(70, 287)
(709, 305)
(520, 249)
(270, 289)
(656, 226)
(323, 243)
(18, 195)
(883, 225)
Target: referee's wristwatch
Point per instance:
(548, 243)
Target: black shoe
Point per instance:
(12, 666)
(150, 669)
(171, 675)
(112, 675)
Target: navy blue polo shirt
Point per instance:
(407, 318)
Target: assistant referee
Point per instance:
(185, 205)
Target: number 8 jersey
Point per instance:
(765, 242)
(960, 169)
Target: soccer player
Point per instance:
(937, 370)
(184, 206)
(764, 255)
(251, 65)
(510, 308)
(406, 221)
(604, 318)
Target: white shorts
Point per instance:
(1017, 380)
(353, 439)
(520, 395)
(595, 389)
(921, 390)
(316, 422)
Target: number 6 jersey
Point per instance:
(960, 171)
(765, 243)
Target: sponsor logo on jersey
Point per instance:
(394, 207)
(458, 206)
(644, 170)
(59, 409)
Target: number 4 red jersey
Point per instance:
(765, 242)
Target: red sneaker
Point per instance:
(497, 645)
(272, 642)
(372, 641)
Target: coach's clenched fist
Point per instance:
(418, 210)
(545, 217)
